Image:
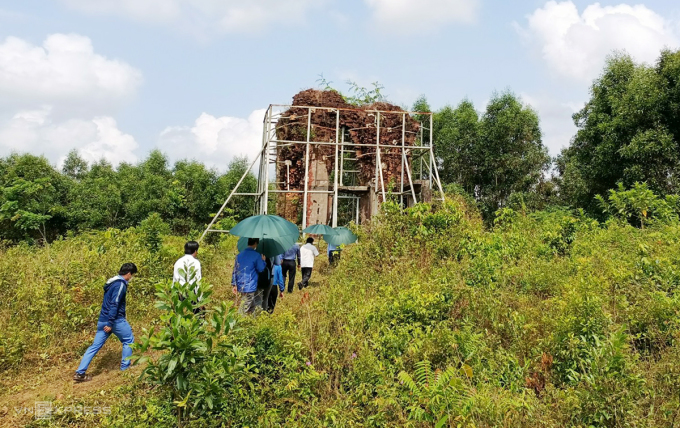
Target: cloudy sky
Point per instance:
(117, 78)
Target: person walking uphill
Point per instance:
(111, 320)
(186, 262)
(332, 252)
(278, 285)
(247, 267)
(288, 265)
(185, 266)
(307, 254)
(264, 283)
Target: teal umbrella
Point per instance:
(343, 236)
(265, 226)
(270, 247)
(320, 229)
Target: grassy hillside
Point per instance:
(49, 303)
(548, 320)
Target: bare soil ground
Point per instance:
(22, 390)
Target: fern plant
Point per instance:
(437, 396)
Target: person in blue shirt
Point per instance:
(247, 267)
(288, 265)
(331, 250)
(278, 284)
(111, 320)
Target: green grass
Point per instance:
(548, 320)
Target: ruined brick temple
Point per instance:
(324, 161)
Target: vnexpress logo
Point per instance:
(43, 409)
(47, 409)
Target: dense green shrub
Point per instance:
(639, 205)
(198, 365)
(549, 319)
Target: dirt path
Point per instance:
(56, 385)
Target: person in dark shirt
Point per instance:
(111, 320)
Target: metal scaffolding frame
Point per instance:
(268, 155)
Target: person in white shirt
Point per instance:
(186, 263)
(307, 254)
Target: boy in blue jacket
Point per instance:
(111, 320)
(277, 282)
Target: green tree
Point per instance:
(196, 187)
(32, 196)
(360, 95)
(422, 106)
(37, 201)
(240, 206)
(639, 205)
(511, 156)
(96, 200)
(494, 156)
(194, 359)
(153, 230)
(628, 131)
(356, 95)
(74, 166)
(147, 188)
(456, 140)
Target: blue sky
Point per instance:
(116, 78)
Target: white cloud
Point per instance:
(214, 140)
(109, 143)
(64, 71)
(576, 45)
(60, 96)
(557, 125)
(147, 10)
(204, 17)
(36, 132)
(408, 16)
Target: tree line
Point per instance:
(628, 133)
(38, 201)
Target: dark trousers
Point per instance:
(306, 274)
(288, 268)
(265, 298)
(271, 299)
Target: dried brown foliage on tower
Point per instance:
(361, 124)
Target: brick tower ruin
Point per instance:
(324, 161)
